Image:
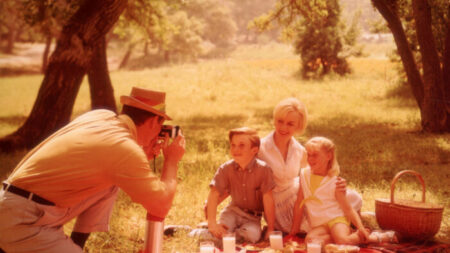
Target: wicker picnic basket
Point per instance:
(411, 219)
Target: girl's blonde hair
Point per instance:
(288, 105)
(326, 145)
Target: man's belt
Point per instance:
(26, 194)
(253, 212)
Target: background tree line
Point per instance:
(178, 31)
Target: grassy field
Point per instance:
(374, 122)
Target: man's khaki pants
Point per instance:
(26, 226)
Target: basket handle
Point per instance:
(398, 175)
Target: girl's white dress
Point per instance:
(286, 176)
(321, 205)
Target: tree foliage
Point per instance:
(46, 18)
(244, 12)
(11, 24)
(318, 33)
(178, 30)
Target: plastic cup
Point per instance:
(229, 243)
(207, 247)
(276, 240)
(313, 247)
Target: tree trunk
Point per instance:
(434, 114)
(11, 39)
(68, 64)
(395, 25)
(430, 93)
(48, 43)
(446, 66)
(146, 48)
(102, 93)
(127, 56)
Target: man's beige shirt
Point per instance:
(94, 152)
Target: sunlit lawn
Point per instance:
(375, 124)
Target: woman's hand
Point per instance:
(293, 232)
(341, 185)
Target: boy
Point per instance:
(249, 182)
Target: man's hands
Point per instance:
(153, 149)
(174, 151)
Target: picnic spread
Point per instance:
(414, 223)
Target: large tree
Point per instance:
(429, 80)
(80, 50)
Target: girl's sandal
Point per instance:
(393, 238)
(388, 236)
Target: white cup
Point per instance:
(276, 239)
(207, 247)
(313, 247)
(229, 243)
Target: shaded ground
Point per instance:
(27, 59)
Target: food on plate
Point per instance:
(270, 250)
(253, 248)
(293, 245)
(334, 248)
(264, 247)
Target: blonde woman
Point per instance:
(286, 156)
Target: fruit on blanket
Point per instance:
(334, 248)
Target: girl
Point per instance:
(329, 211)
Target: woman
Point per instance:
(286, 156)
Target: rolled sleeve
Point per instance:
(220, 180)
(132, 173)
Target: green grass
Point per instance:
(375, 124)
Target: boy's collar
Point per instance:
(249, 166)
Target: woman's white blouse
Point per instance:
(285, 172)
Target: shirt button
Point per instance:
(243, 185)
(245, 198)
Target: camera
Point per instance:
(173, 131)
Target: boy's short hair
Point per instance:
(250, 132)
(137, 115)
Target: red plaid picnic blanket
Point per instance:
(429, 246)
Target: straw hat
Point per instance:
(148, 100)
